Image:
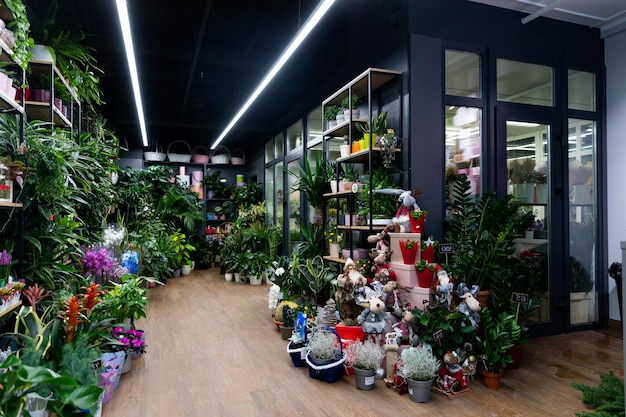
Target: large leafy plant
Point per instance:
(482, 232)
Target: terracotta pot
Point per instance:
(492, 381)
(285, 332)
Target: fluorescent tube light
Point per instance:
(317, 15)
(521, 124)
(122, 11)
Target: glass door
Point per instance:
(532, 150)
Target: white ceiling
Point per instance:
(608, 15)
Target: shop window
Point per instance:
(463, 144)
(521, 82)
(294, 136)
(314, 125)
(269, 151)
(462, 74)
(581, 90)
(278, 146)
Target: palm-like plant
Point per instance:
(311, 181)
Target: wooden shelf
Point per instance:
(337, 260)
(365, 228)
(339, 194)
(11, 205)
(10, 310)
(37, 110)
(359, 84)
(362, 156)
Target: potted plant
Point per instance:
(365, 358)
(496, 340)
(311, 182)
(330, 114)
(257, 263)
(127, 300)
(349, 177)
(383, 206)
(284, 317)
(482, 232)
(350, 105)
(331, 175)
(325, 355)
(419, 367)
(334, 239)
(409, 251)
(378, 126)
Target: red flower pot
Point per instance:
(425, 278)
(408, 255)
(429, 254)
(417, 225)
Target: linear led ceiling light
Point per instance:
(317, 15)
(122, 11)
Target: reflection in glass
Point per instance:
(315, 154)
(529, 173)
(294, 136)
(293, 205)
(278, 146)
(269, 151)
(280, 197)
(463, 144)
(581, 90)
(520, 82)
(462, 74)
(270, 195)
(582, 220)
(314, 124)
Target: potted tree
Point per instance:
(365, 358)
(419, 366)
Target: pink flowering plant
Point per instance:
(128, 340)
(5, 267)
(97, 263)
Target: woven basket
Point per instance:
(179, 157)
(156, 156)
(238, 158)
(200, 155)
(220, 155)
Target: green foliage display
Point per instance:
(606, 398)
(482, 233)
(22, 53)
(384, 205)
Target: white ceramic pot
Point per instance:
(186, 269)
(42, 53)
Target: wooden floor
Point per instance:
(213, 350)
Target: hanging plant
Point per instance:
(22, 53)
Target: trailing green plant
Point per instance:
(606, 398)
(482, 233)
(74, 58)
(22, 50)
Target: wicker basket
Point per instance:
(238, 157)
(200, 155)
(178, 157)
(220, 155)
(155, 156)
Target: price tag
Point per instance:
(97, 364)
(482, 357)
(446, 248)
(438, 335)
(519, 297)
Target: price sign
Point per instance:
(97, 364)
(519, 297)
(446, 249)
(437, 336)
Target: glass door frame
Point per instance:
(558, 236)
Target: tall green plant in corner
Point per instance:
(311, 182)
(482, 232)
